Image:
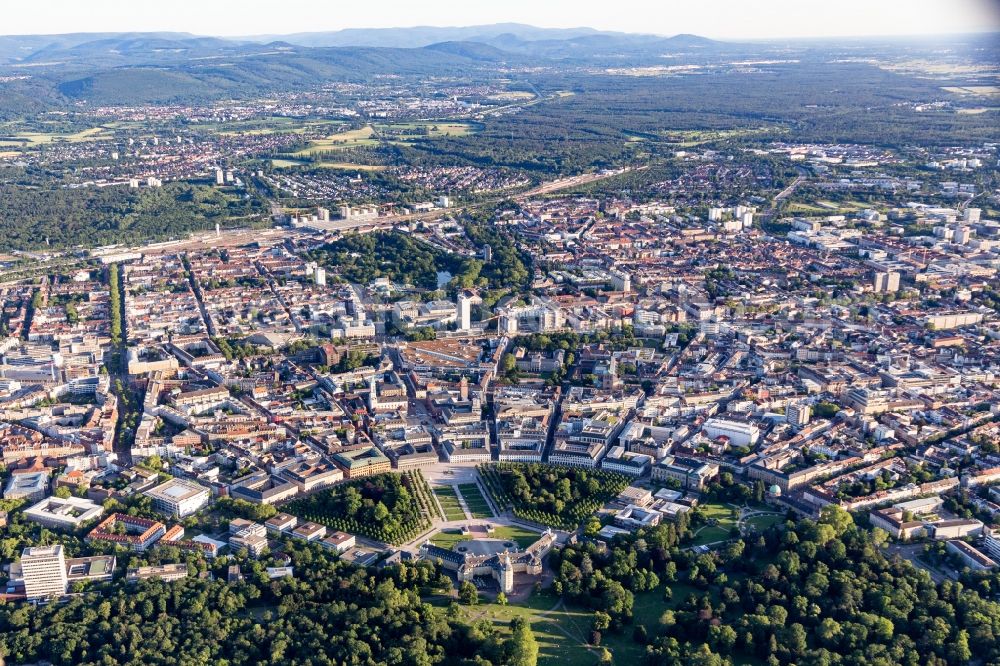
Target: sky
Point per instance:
(721, 19)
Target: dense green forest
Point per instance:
(394, 255)
(389, 507)
(405, 259)
(815, 593)
(562, 497)
(109, 215)
(330, 612)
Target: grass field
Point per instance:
(29, 139)
(350, 166)
(725, 518)
(284, 164)
(363, 136)
(372, 135)
(474, 499)
(434, 129)
(449, 503)
(521, 536)
(561, 634)
(761, 523)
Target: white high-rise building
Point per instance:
(798, 414)
(321, 276)
(971, 215)
(747, 219)
(44, 571)
(886, 282)
(962, 235)
(465, 311)
(220, 177)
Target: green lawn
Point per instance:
(560, 634)
(761, 523)
(477, 504)
(725, 518)
(449, 503)
(523, 537)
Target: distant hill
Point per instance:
(110, 68)
(419, 36)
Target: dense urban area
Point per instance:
(477, 354)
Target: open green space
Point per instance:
(362, 136)
(722, 518)
(448, 500)
(523, 537)
(350, 166)
(31, 139)
(394, 133)
(478, 506)
(761, 523)
(561, 633)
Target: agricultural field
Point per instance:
(448, 500)
(33, 139)
(393, 133)
(362, 136)
(474, 500)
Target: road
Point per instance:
(911, 553)
(785, 193)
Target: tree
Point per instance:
(523, 646)
(508, 363)
(502, 599)
(837, 517)
(468, 594)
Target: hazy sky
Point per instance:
(749, 19)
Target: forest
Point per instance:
(562, 497)
(389, 507)
(330, 612)
(31, 217)
(820, 592)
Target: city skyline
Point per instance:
(721, 19)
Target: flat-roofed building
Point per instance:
(740, 433)
(32, 486)
(178, 497)
(626, 462)
(339, 542)
(164, 572)
(971, 556)
(43, 569)
(281, 523)
(956, 529)
(309, 531)
(262, 488)
(249, 536)
(363, 462)
(691, 474)
(307, 476)
(63, 513)
(97, 567)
